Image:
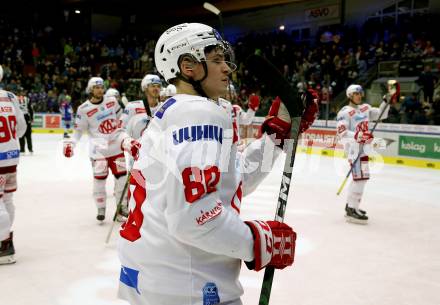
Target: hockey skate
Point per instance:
(7, 251)
(101, 214)
(359, 210)
(355, 216)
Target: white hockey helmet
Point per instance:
(1, 73)
(94, 81)
(170, 90)
(186, 38)
(148, 80)
(112, 92)
(353, 89)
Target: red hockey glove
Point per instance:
(277, 121)
(254, 102)
(362, 135)
(311, 110)
(131, 146)
(68, 148)
(274, 244)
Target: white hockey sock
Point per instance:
(355, 192)
(7, 199)
(99, 194)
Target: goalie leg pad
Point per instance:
(99, 194)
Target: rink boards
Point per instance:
(409, 145)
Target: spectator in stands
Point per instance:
(427, 81)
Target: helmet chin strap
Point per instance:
(197, 84)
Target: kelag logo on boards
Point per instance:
(422, 147)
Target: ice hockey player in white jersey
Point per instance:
(239, 116)
(13, 126)
(99, 117)
(184, 241)
(150, 86)
(353, 131)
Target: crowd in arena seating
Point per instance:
(49, 68)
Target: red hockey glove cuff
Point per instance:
(254, 102)
(278, 121)
(131, 146)
(274, 244)
(68, 149)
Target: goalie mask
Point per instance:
(192, 39)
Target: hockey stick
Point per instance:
(118, 207)
(269, 75)
(359, 154)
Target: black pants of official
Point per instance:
(27, 138)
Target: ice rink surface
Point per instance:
(395, 259)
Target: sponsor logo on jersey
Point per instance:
(168, 103)
(197, 133)
(110, 105)
(107, 126)
(365, 108)
(140, 110)
(209, 215)
(4, 99)
(104, 114)
(92, 112)
(351, 113)
(6, 109)
(129, 277)
(11, 96)
(210, 294)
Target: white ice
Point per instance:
(395, 259)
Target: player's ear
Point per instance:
(187, 66)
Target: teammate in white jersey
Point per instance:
(99, 117)
(353, 130)
(12, 127)
(239, 116)
(143, 109)
(183, 241)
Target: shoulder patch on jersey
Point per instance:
(110, 105)
(364, 108)
(11, 96)
(198, 133)
(351, 113)
(168, 103)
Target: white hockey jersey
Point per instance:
(101, 122)
(12, 127)
(136, 107)
(184, 232)
(348, 119)
(239, 116)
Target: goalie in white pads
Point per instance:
(13, 127)
(353, 130)
(99, 117)
(183, 241)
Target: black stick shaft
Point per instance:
(282, 202)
